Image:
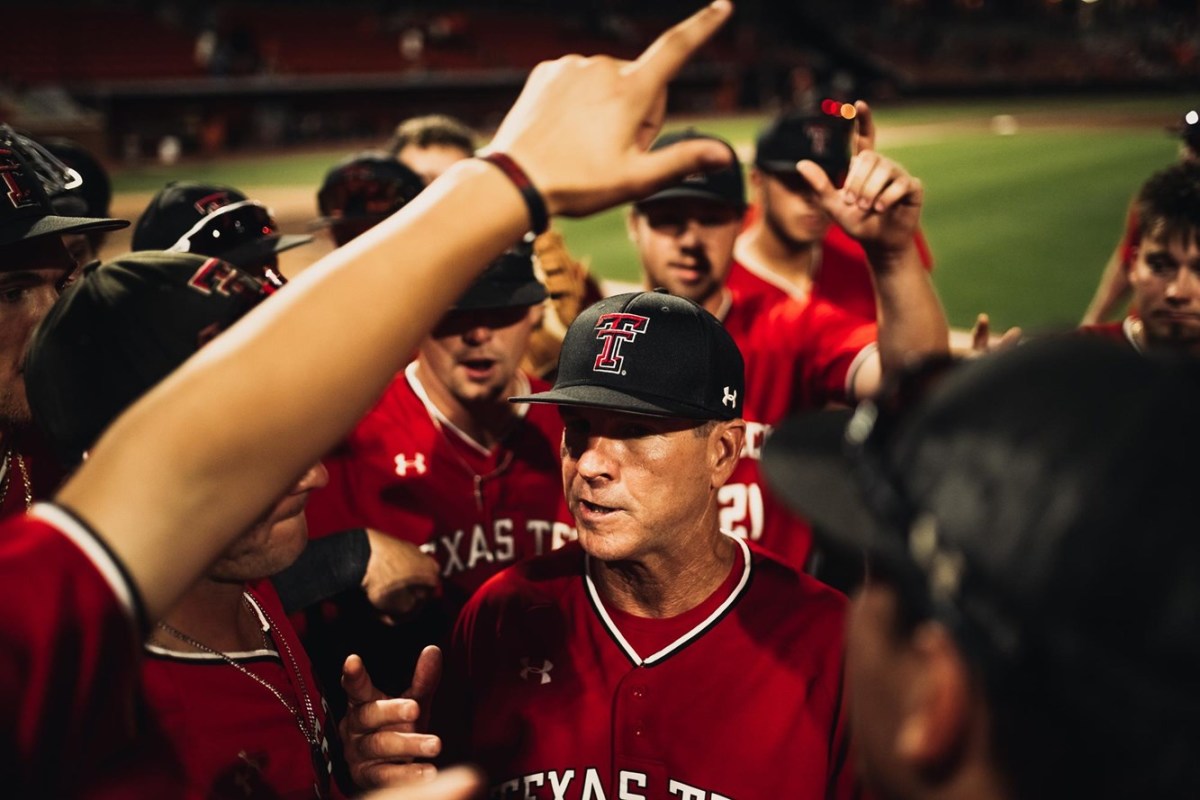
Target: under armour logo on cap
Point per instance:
(730, 398)
(613, 330)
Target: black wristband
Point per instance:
(539, 219)
(329, 565)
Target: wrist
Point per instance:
(535, 203)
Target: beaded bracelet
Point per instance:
(539, 220)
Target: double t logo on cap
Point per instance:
(21, 196)
(613, 329)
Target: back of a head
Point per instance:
(363, 190)
(433, 130)
(119, 330)
(1038, 504)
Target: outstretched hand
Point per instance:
(581, 126)
(384, 736)
(879, 204)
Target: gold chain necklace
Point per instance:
(310, 726)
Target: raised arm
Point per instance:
(880, 206)
(196, 460)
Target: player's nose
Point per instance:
(595, 459)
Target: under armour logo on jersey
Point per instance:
(542, 672)
(10, 168)
(730, 398)
(416, 464)
(615, 329)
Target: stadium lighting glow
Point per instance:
(847, 111)
(1191, 118)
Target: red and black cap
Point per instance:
(362, 191)
(821, 138)
(119, 330)
(29, 175)
(724, 185)
(212, 220)
(1041, 501)
(649, 353)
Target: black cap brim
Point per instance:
(687, 192)
(492, 296)
(613, 400)
(251, 254)
(789, 167)
(20, 230)
(807, 466)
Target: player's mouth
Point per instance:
(478, 368)
(594, 511)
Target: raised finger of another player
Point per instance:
(357, 681)
(861, 166)
(395, 746)
(864, 127)
(383, 773)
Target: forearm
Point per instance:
(327, 566)
(911, 320)
(1114, 286)
(221, 438)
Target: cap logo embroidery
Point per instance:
(613, 330)
(20, 196)
(211, 202)
(730, 398)
(818, 137)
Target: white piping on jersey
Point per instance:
(778, 281)
(410, 374)
(95, 552)
(188, 655)
(683, 640)
(855, 366)
(726, 304)
(1132, 328)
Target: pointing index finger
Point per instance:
(659, 62)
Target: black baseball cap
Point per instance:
(119, 330)
(724, 185)
(93, 195)
(1043, 498)
(32, 175)
(506, 283)
(362, 191)
(649, 353)
(181, 218)
(822, 138)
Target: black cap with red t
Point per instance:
(649, 353)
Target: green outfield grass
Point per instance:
(1020, 226)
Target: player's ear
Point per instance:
(725, 448)
(943, 717)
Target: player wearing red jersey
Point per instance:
(445, 463)
(792, 242)
(183, 458)
(1165, 271)
(591, 672)
(800, 352)
(226, 683)
(1114, 287)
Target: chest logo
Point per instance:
(416, 464)
(541, 673)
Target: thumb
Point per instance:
(356, 681)
(659, 168)
(980, 333)
(817, 179)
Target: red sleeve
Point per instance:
(831, 343)
(1132, 237)
(68, 652)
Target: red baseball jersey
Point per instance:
(408, 471)
(232, 735)
(68, 655)
(557, 695)
(843, 276)
(800, 355)
(1123, 331)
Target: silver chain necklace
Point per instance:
(310, 726)
(9, 456)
